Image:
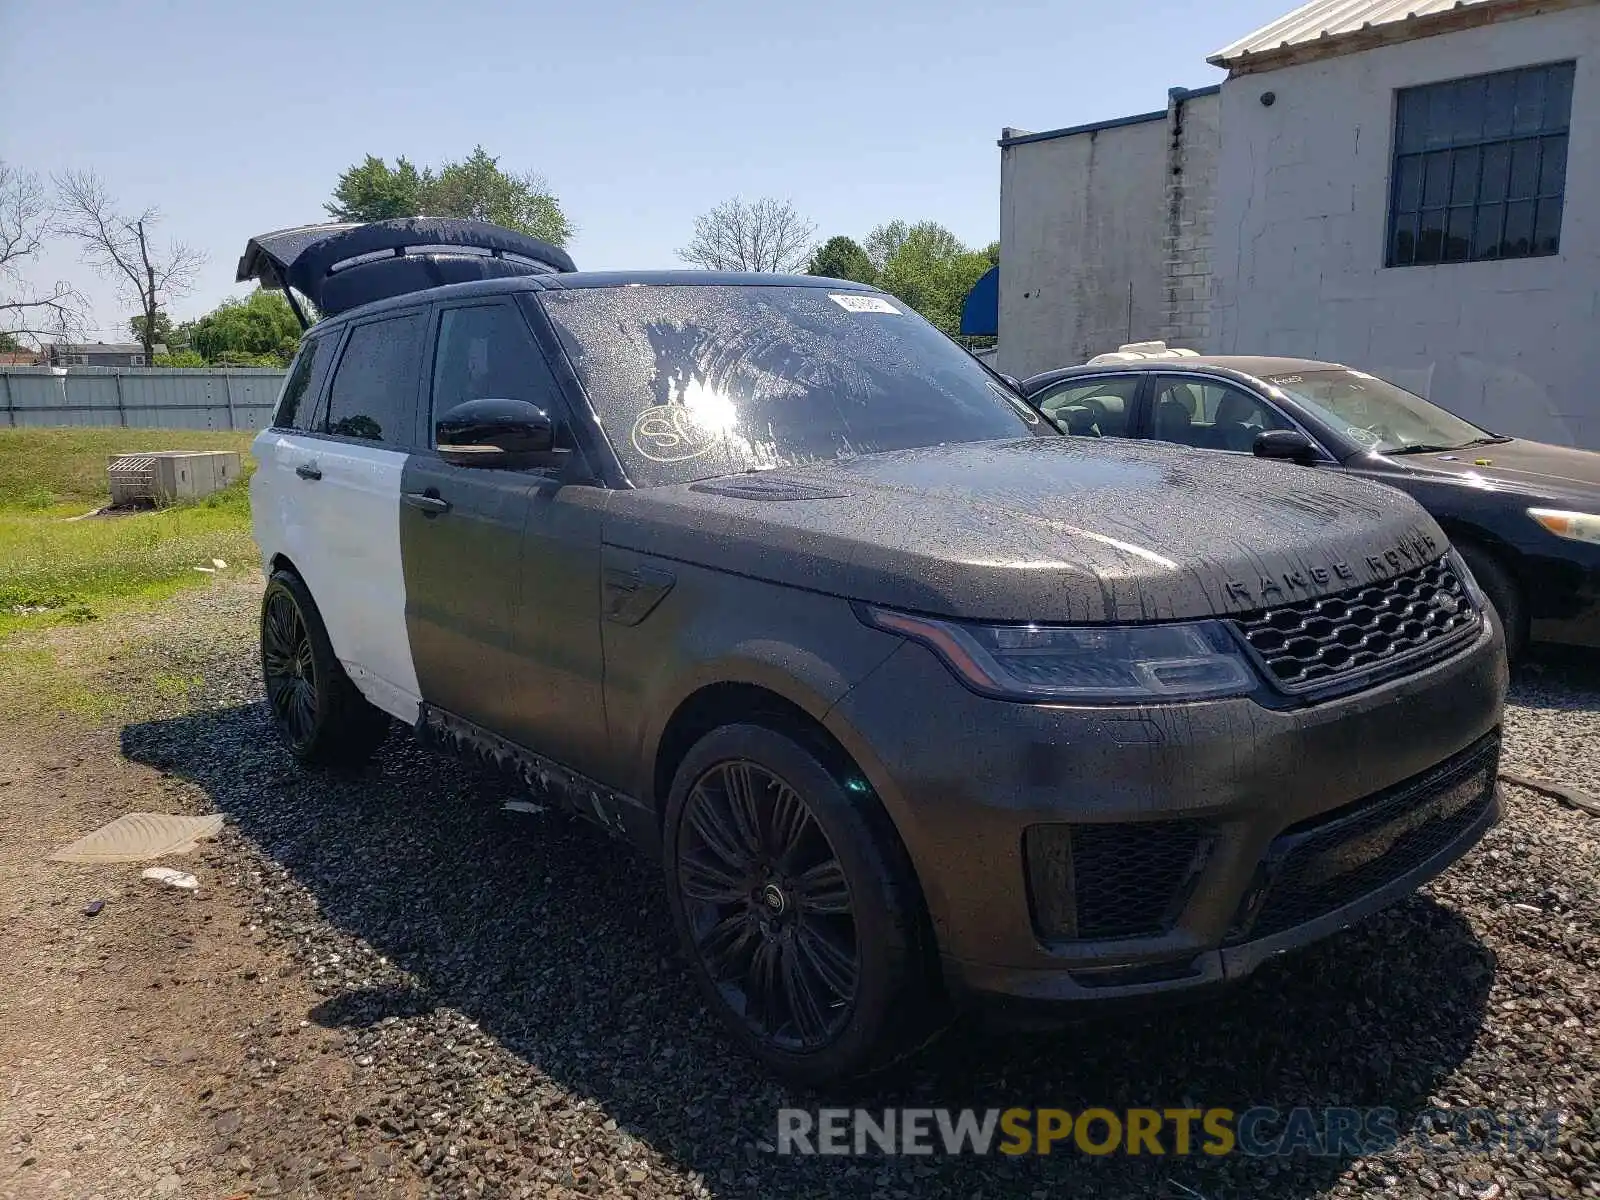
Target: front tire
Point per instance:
(320, 715)
(796, 906)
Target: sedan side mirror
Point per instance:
(498, 433)
(1288, 444)
(1011, 381)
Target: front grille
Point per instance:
(1310, 644)
(1112, 881)
(1320, 865)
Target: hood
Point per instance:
(1535, 468)
(1053, 529)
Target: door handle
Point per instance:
(432, 505)
(308, 470)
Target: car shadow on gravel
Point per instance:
(436, 912)
(1557, 677)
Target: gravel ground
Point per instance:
(507, 1002)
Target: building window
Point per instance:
(1480, 165)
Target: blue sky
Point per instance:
(234, 119)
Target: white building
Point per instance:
(1409, 186)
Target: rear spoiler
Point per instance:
(338, 267)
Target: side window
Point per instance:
(1213, 416)
(298, 398)
(486, 352)
(375, 386)
(1092, 407)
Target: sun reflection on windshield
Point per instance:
(713, 411)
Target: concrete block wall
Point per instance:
(1081, 255)
(1302, 219)
(1106, 235)
(1194, 144)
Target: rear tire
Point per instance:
(1504, 594)
(797, 908)
(320, 715)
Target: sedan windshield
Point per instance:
(693, 381)
(1384, 418)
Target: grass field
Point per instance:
(57, 564)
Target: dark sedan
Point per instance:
(1526, 515)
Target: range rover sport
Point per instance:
(918, 702)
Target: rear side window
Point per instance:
(375, 387)
(486, 352)
(1091, 408)
(297, 401)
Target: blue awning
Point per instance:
(980, 311)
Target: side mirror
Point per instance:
(498, 433)
(1288, 444)
(1011, 381)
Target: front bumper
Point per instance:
(1355, 802)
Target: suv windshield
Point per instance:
(1384, 418)
(697, 380)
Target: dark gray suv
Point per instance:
(917, 701)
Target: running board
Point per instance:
(618, 814)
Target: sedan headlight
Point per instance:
(1577, 526)
(1090, 663)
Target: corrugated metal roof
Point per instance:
(1331, 19)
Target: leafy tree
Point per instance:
(373, 191)
(842, 258)
(164, 334)
(260, 330)
(476, 188)
(928, 267)
(9, 343)
(764, 235)
(183, 358)
(882, 243)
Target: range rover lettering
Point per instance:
(919, 703)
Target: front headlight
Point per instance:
(1091, 663)
(1576, 526)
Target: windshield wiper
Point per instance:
(1427, 448)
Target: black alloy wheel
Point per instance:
(321, 715)
(288, 667)
(768, 906)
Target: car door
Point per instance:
(283, 512)
(502, 565)
(1209, 413)
(351, 479)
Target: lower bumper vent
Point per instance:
(1112, 881)
(1316, 867)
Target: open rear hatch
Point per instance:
(339, 267)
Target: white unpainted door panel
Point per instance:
(333, 507)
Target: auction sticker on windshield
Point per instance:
(864, 304)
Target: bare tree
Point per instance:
(122, 249)
(767, 235)
(25, 222)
